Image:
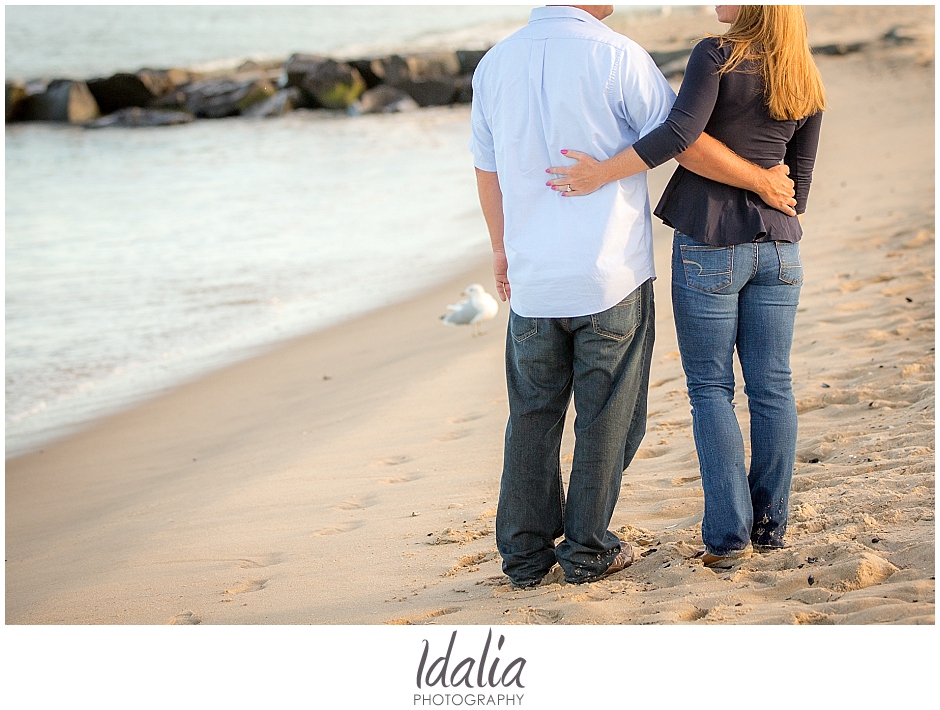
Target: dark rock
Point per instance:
(432, 92)
(218, 98)
(63, 100)
(811, 580)
(16, 98)
(282, 102)
(391, 70)
(383, 99)
(327, 83)
(174, 100)
(120, 91)
(464, 90)
(161, 82)
(364, 67)
(432, 65)
(839, 49)
(894, 37)
(136, 117)
(298, 66)
(469, 59)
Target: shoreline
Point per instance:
(49, 436)
(349, 477)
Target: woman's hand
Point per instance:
(582, 178)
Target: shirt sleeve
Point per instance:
(692, 109)
(801, 157)
(481, 136)
(645, 96)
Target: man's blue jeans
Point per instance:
(604, 359)
(740, 297)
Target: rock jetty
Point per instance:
(161, 97)
(380, 84)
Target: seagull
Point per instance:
(479, 306)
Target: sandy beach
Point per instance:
(351, 476)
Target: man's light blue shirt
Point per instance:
(567, 81)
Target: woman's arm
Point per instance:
(801, 157)
(684, 124)
(708, 157)
(681, 135)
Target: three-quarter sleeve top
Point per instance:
(732, 109)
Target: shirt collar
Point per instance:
(551, 12)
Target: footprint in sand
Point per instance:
(660, 383)
(393, 460)
(809, 404)
(407, 478)
(267, 560)
(532, 615)
(815, 453)
(252, 585)
(594, 595)
(186, 618)
(425, 618)
(453, 435)
(470, 563)
(464, 418)
(340, 528)
(694, 614)
(651, 452)
(357, 503)
(852, 306)
(451, 536)
(684, 480)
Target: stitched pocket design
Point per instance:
(522, 328)
(621, 321)
(707, 268)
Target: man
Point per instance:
(578, 274)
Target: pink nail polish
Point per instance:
(564, 152)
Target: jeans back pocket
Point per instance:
(522, 328)
(791, 268)
(707, 268)
(622, 320)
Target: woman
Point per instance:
(736, 270)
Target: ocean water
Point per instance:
(139, 258)
(81, 41)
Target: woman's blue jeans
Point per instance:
(604, 359)
(740, 297)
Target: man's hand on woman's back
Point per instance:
(778, 189)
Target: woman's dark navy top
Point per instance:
(732, 109)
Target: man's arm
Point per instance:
(491, 202)
(707, 156)
(712, 159)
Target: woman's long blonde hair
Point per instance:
(774, 36)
